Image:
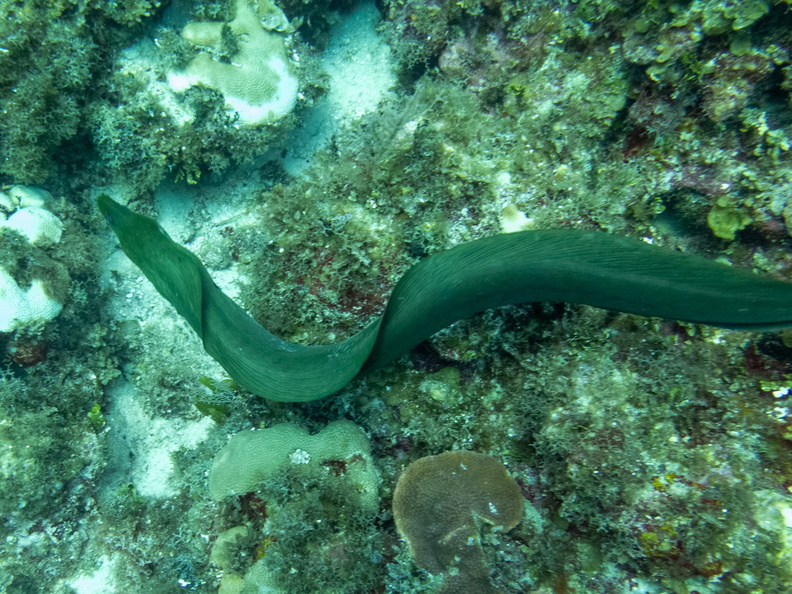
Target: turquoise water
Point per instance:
(309, 153)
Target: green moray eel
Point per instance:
(583, 267)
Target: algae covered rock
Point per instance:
(439, 504)
(311, 504)
(226, 544)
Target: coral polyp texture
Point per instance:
(257, 80)
(251, 457)
(24, 306)
(441, 502)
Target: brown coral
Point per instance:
(440, 503)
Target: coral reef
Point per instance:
(298, 493)
(439, 504)
(257, 81)
(90, 77)
(33, 286)
(49, 62)
(652, 455)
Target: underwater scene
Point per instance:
(396, 296)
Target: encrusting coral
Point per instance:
(440, 504)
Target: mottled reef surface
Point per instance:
(652, 456)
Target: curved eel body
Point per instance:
(582, 267)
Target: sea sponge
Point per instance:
(440, 502)
(250, 457)
(259, 82)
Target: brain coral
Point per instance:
(251, 456)
(40, 226)
(20, 307)
(259, 82)
(33, 286)
(438, 504)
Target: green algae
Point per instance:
(441, 176)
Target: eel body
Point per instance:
(582, 267)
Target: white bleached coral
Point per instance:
(29, 302)
(40, 226)
(259, 83)
(26, 208)
(20, 307)
(16, 197)
(23, 196)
